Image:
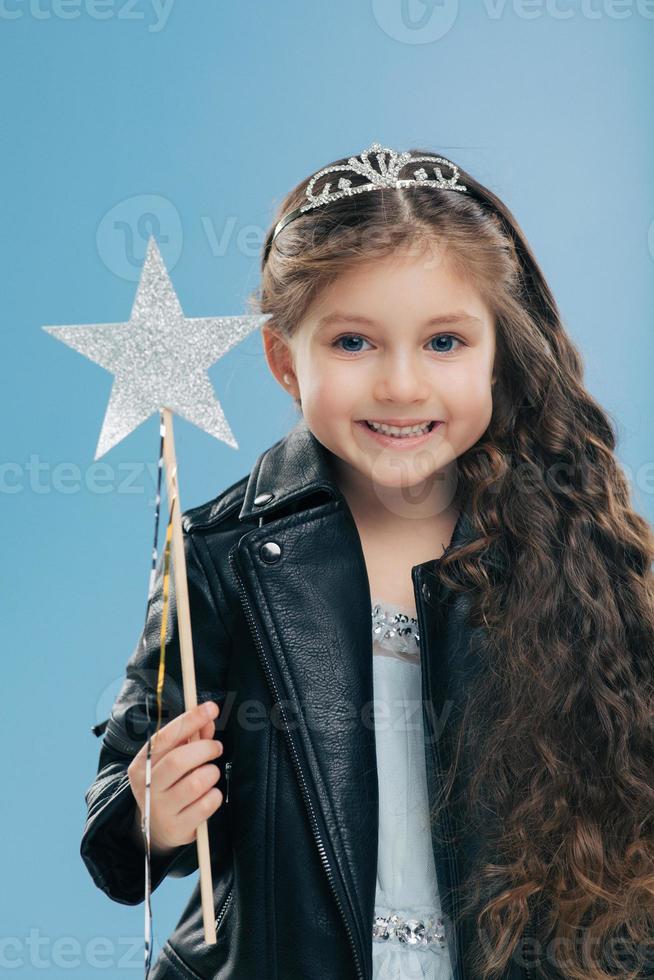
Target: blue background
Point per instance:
(191, 121)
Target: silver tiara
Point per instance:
(389, 163)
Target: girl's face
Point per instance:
(399, 340)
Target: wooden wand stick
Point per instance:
(188, 664)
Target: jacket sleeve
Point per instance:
(115, 861)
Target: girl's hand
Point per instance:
(182, 790)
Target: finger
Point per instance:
(192, 816)
(183, 759)
(182, 728)
(208, 730)
(193, 786)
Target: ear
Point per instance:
(279, 357)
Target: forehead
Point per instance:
(422, 287)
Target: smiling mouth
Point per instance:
(399, 432)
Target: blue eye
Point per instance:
(347, 336)
(357, 337)
(446, 336)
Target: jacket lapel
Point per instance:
(311, 609)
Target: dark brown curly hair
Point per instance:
(560, 723)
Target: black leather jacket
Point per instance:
(281, 626)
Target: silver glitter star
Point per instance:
(159, 357)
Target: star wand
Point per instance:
(159, 359)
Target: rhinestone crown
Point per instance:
(390, 164)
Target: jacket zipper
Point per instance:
(228, 770)
(305, 790)
(225, 905)
(444, 814)
(221, 913)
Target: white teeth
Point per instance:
(395, 430)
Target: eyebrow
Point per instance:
(457, 317)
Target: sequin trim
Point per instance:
(390, 624)
(426, 933)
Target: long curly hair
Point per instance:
(557, 736)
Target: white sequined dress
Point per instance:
(408, 941)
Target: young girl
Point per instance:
(426, 617)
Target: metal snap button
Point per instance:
(426, 591)
(270, 552)
(263, 498)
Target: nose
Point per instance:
(401, 378)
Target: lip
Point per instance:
(403, 443)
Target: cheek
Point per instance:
(471, 385)
(468, 401)
(329, 388)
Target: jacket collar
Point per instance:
(297, 466)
